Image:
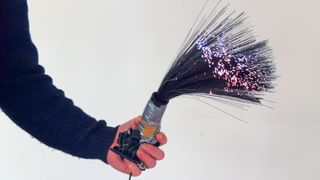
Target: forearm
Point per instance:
(29, 98)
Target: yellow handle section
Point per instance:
(148, 131)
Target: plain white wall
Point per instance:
(109, 56)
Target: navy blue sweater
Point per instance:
(29, 98)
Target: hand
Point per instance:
(147, 153)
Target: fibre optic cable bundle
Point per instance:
(219, 58)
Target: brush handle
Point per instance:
(150, 125)
(130, 141)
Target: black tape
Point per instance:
(129, 143)
(158, 102)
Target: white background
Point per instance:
(110, 55)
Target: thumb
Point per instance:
(135, 122)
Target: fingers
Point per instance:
(117, 162)
(123, 165)
(147, 153)
(153, 151)
(133, 168)
(149, 161)
(161, 138)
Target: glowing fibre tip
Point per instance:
(239, 68)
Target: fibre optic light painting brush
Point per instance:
(219, 58)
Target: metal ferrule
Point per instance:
(151, 122)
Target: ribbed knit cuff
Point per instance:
(97, 145)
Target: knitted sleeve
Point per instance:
(29, 98)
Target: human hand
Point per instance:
(147, 153)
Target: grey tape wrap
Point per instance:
(152, 116)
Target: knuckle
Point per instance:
(144, 147)
(140, 154)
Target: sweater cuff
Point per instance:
(97, 145)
